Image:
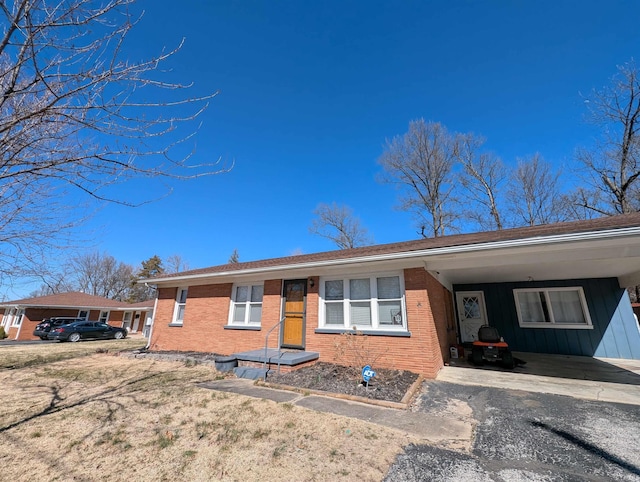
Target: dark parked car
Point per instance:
(86, 330)
(45, 326)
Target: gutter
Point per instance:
(465, 248)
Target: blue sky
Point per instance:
(309, 91)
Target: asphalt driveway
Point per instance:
(525, 436)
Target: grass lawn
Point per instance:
(96, 416)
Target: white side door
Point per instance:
(471, 313)
(126, 320)
(136, 322)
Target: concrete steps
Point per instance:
(256, 364)
(251, 373)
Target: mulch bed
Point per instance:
(389, 385)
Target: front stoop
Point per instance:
(255, 365)
(251, 373)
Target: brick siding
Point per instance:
(429, 317)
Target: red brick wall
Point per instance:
(205, 317)
(429, 315)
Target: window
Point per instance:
(17, 319)
(374, 303)
(181, 303)
(246, 305)
(104, 317)
(83, 314)
(552, 308)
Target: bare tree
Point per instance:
(576, 203)
(76, 114)
(420, 163)
(176, 264)
(614, 163)
(52, 284)
(338, 224)
(482, 178)
(102, 275)
(534, 194)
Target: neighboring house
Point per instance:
(555, 288)
(21, 316)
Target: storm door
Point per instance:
(293, 293)
(471, 313)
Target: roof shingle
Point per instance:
(573, 227)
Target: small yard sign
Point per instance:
(367, 374)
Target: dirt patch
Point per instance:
(389, 385)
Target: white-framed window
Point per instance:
(246, 304)
(104, 317)
(17, 319)
(374, 302)
(552, 308)
(181, 303)
(83, 314)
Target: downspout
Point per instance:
(21, 322)
(153, 320)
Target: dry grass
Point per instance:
(103, 417)
(19, 356)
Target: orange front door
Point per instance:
(293, 327)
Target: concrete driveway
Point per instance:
(603, 379)
(524, 436)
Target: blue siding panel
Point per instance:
(615, 332)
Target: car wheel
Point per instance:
(74, 337)
(476, 356)
(118, 335)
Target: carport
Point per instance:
(557, 292)
(604, 379)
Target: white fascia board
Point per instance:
(423, 253)
(64, 307)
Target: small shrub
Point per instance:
(3, 335)
(354, 351)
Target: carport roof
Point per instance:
(437, 254)
(74, 299)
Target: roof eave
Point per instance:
(402, 255)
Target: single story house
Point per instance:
(556, 288)
(21, 316)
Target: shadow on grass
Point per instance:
(56, 403)
(589, 447)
